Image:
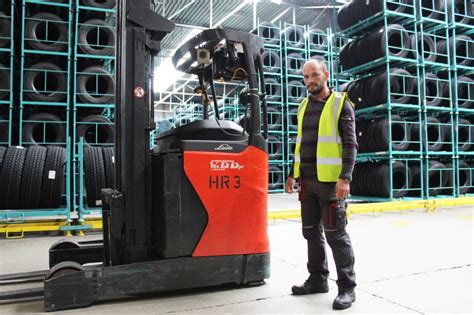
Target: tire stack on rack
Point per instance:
(32, 177)
(94, 97)
(273, 70)
(437, 106)
(286, 50)
(33, 162)
(45, 66)
(406, 130)
(381, 67)
(295, 52)
(461, 45)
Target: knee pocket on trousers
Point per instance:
(335, 235)
(312, 233)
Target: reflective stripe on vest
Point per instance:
(329, 151)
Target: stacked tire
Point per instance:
(271, 61)
(4, 129)
(274, 118)
(95, 91)
(95, 129)
(275, 59)
(358, 10)
(95, 85)
(32, 178)
(466, 177)
(317, 40)
(43, 128)
(269, 32)
(465, 92)
(373, 179)
(374, 90)
(440, 178)
(465, 135)
(275, 148)
(275, 177)
(273, 89)
(45, 82)
(99, 173)
(373, 47)
(56, 26)
(294, 36)
(4, 81)
(101, 4)
(372, 135)
(96, 37)
(4, 30)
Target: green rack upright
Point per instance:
(7, 23)
(93, 104)
(461, 28)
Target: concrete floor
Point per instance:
(406, 262)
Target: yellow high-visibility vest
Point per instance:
(329, 151)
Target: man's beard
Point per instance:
(317, 89)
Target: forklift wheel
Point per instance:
(64, 244)
(63, 268)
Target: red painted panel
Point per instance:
(233, 188)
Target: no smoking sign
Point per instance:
(139, 92)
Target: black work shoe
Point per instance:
(344, 300)
(309, 288)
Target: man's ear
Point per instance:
(326, 75)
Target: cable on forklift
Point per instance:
(263, 99)
(236, 71)
(213, 91)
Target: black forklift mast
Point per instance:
(139, 34)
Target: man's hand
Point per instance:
(290, 184)
(342, 189)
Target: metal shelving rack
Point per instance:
(63, 214)
(32, 54)
(461, 30)
(45, 81)
(444, 109)
(319, 45)
(93, 63)
(273, 71)
(436, 101)
(400, 183)
(295, 54)
(6, 65)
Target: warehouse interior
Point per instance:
(406, 65)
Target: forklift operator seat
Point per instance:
(201, 131)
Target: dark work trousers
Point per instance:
(314, 197)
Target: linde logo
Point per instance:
(221, 165)
(223, 147)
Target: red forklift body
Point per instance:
(233, 189)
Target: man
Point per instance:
(324, 158)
